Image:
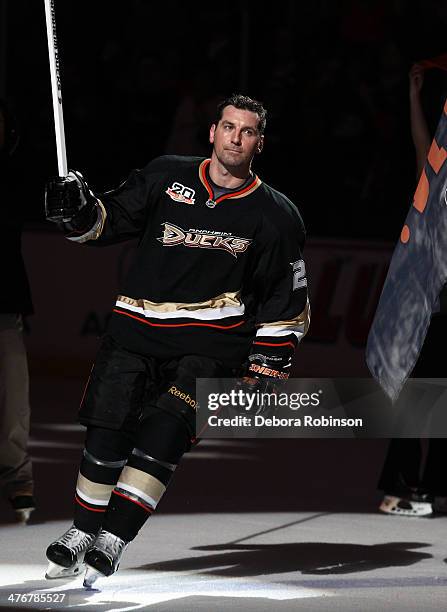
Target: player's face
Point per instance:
(236, 138)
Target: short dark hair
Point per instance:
(244, 103)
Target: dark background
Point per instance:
(140, 79)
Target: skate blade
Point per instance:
(91, 576)
(55, 571)
(390, 505)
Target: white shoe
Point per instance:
(405, 506)
(23, 505)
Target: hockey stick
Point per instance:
(56, 89)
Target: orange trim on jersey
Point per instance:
(277, 344)
(238, 193)
(149, 510)
(202, 174)
(88, 507)
(127, 314)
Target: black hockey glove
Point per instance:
(69, 202)
(264, 374)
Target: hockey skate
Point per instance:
(66, 555)
(103, 558)
(415, 504)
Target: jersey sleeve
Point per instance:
(121, 213)
(282, 304)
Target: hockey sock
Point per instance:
(104, 457)
(161, 441)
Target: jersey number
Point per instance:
(299, 274)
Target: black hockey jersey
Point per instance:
(220, 277)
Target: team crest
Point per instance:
(203, 239)
(180, 193)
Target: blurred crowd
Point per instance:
(143, 79)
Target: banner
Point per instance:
(417, 273)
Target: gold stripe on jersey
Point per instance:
(300, 323)
(229, 299)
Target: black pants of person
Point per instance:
(16, 476)
(403, 467)
(140, 418)
(403, 463)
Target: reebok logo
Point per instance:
(185, 397)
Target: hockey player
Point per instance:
(217, 286)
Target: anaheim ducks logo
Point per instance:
(203, 239)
